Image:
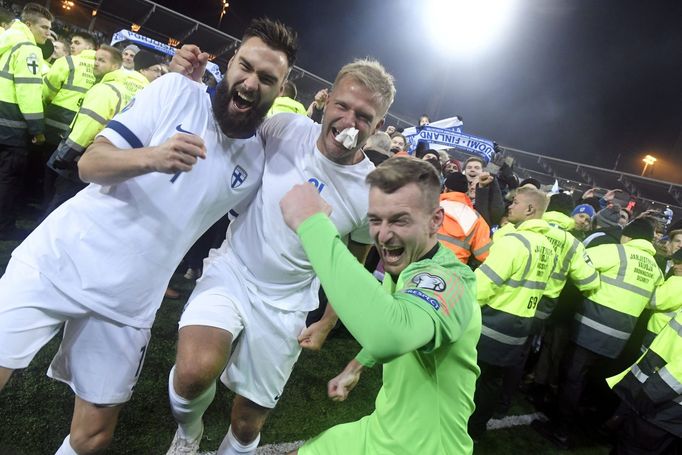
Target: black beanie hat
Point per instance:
(535, 182)
(457, 182)
(145, 59)
(561, 202)
(639, 229)
(608, 217)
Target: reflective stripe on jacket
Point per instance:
(665, 303)
(573, 263)
(628, 277)
(64, 87)
(21, 107)
(510, 284)
(653, 385)
(464, 230)
(102, 102)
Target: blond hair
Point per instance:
(373, 75)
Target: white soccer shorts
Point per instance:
(266, 346)
(98, 358)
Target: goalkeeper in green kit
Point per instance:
(423, 323)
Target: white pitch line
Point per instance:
(493, 424)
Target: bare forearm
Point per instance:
(105, 164)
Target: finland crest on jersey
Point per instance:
(239, 176)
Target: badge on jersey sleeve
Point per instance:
(428, 281)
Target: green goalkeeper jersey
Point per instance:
(424, 327)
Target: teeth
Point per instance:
(246, 97)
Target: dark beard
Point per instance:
(241, 125)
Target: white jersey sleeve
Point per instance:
(135, 125)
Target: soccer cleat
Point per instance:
(181, 446)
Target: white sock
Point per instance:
(188, 413)
(65, 448)
(231, 446)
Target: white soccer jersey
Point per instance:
(114, 248)
(259, 239)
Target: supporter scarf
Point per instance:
(127, 35)
(447, 133)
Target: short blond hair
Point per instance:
(373, 75)
(538, 197)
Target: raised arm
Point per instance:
(106, 164)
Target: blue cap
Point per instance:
(584, 208)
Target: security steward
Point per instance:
(64, 87)
(603, 324)
(21, 107)
(666, 301)
(651, 394)
(510, 284)
(100, 104)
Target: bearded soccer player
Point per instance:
(163, 170)
(257, 289)
(422, 324)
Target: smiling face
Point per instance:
(253, 80)
(350, 104)
(473, 169)
(128, 59)
(402, 226)
(582, 221)
(398, 142)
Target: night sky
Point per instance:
(583, 80)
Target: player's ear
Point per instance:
(437, 219)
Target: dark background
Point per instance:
(583, 80)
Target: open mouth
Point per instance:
(243, 101)
(392, 255)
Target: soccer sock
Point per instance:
(231, 446)
(188, 413)
(65, 448)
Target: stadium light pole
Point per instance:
(648, 161)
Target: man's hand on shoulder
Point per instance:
(189, 61)
(177, 154)
(300, 203)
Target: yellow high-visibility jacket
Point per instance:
(628, 276)
(64, 87)
(653, 385)
(666, 302)
(21, 107)
(510, 284)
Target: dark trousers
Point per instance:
(554, 343)
(636, 436)
(513, 376)
(13, 162)
(486, 397)
(576, 365)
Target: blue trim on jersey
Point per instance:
(126, 134)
